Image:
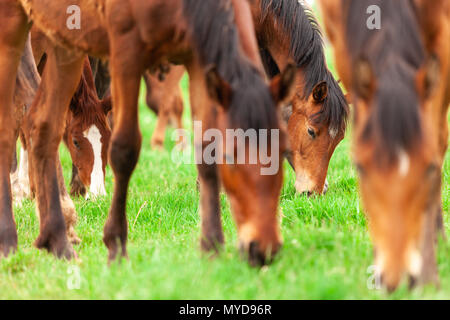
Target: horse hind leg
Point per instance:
(177, 119)
(67, 206)
(157, 141)
(21, 185)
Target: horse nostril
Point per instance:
(255, 256)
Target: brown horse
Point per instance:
(87, 137)
(288, 33)
(165, 99)
(395, 76)
(227, 91)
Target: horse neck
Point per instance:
(279, 43)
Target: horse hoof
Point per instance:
(115, 239)
(8, 241)
(74, 240)
(157, 145)
(55, 243)
(212, 244)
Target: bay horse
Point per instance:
(227, 91)
(316, 118)
(164, 98)
(87, 137)
(395, 75)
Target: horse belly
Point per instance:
(76, 24)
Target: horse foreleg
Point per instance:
(13, 35)
(47, 116)
(177, 119)
(77, 188)
(208, 180)
(125, 145)
(157, 141)
(67, 205)
(21, 186)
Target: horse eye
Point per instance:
(76, 143)
(312, 133)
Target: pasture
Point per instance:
(326, 252)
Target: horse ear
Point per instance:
(320, 91)
(218, 89)
(107, 104)
(283, 85)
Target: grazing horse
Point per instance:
(227, 92)
(165, 99)
(395, 75)
(87, 137)
(287, 32)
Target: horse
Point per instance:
(228, 91)
(87, 133)
(164, 98)
(87, 137)
(316, 118)
(397, 77)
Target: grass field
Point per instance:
(326, 252)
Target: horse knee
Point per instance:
(124, 155)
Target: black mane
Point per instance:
(216, 40)
(306, 48)
(395, 53)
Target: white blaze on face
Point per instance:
(97, 178)
(403, 163)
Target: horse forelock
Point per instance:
(85, 104)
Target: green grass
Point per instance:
(325, 255)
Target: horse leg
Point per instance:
(429, 272)
(177, 118)
(208, 180)
(125, 144)
(12, 41)
(212, 236)
(160, 130)
(21, 187)
(67, 205)
(46, 120)
(77, 188)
